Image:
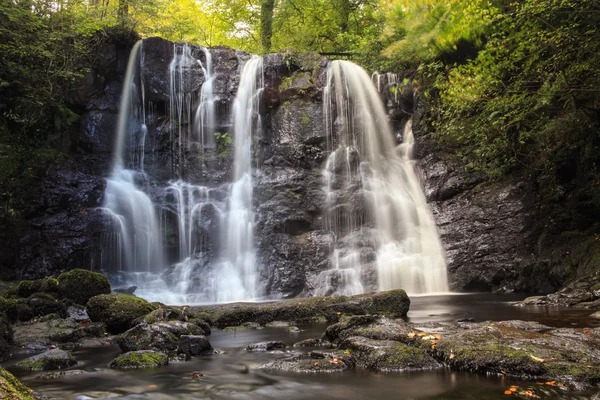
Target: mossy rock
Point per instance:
(6, 332)
(44, 304)
(117, 311)
(139, 359)
(167, 314)
(156, 337)
(8, 307)
(12, 389)
(80, 285)
(49, 360)
(24, 312)
(5, 350)
(46, 285)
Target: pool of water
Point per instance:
(234, 372)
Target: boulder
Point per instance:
(336, 361)
(44, 303)
(8, 307)
(139, 359)
(81, 285)
(117, 311)
(46, 285)
(49, 360)
(147, 337)
(266, 346)
(12, 389)
(394, 303)
(194, 345)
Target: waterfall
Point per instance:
(134, 243)
(373, 196)
(205, 114)
(237, 276)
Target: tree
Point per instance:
(266, 23)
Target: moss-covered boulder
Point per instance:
(44, 303)
(388, 355)
(11, 388)
(49, 360)
(46, 285)
(8, 307)
(394, 303)
(167, 314)
(194, 345)
(315, 362)
(6, 331)
(117, 311)
(148, 337)
(139, 359)
(80, 285)
(24, 312)
(368, 326)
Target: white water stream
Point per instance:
(366, 164)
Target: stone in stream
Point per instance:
(139, 359)
(148, 337)
(313, 343)
(49, 360)
(266, 346)
(333, 361)
(192, 345)
(393, 303)
(117, 311)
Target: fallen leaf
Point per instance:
(452, 356)
(437, 336)
(537, 358)
(513, 389)
(152, 386)
(508, 392)
(551, 383)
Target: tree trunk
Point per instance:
(266, 23)
(123, 10)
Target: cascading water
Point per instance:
(205, 114)
(134, 243)
(373, 194)
(237, 275)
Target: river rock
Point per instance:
(194, 345)
(323, 362)
(49, 360)
(266, 346)
(139, 359)
(117, 311)
(147, 337)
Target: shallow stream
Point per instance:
(234, 372)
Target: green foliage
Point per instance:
(224, 142)
(531, 91)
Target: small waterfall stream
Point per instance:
(373, 196)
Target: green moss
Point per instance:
(574, 370)
(47, 285)
(286, 83)
(140, 359)
(304, 119)
(11, 388)
(8, 307)
(80, 285)
(117, 311)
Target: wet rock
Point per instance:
(372, 327)
(127, 290)
(12, 389)
(292, 329)
(325, 362)
(179, 328)
(243, 327)
(523, 349)
(147, 337)
(388, 355)
(77, 313)
(194, 345)
(266, 346)
(139, 359)
(313, 343)
(46, 285)
(167, 314)
(43, 304)
(117, 311)
(81, 285)
(49, 360)
(394, 303)
(85, 331)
